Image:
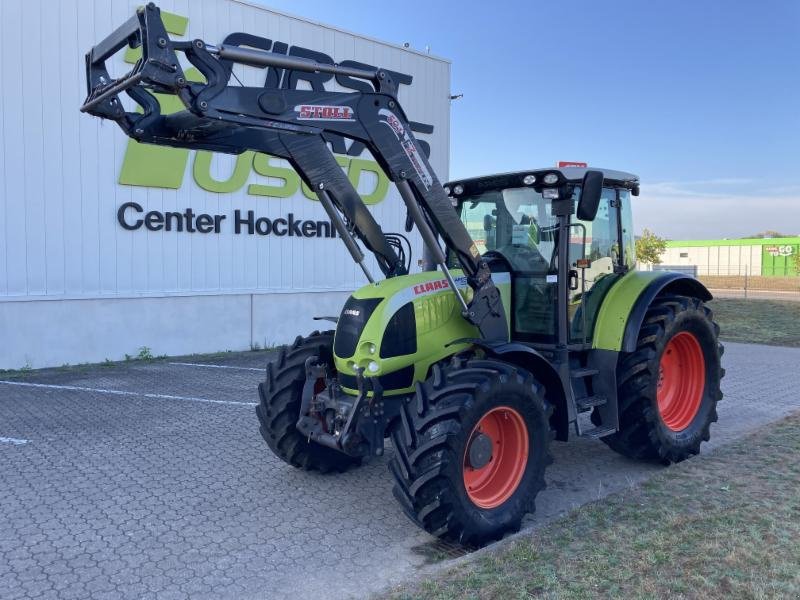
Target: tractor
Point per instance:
(528, 321)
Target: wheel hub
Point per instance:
(480, 451)
(495, 457)
(681, 381)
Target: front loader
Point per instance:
(529, 321)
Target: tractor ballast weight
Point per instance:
(473, 365)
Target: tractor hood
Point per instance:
(397, 328)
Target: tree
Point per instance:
(649, 248)
(769, 233)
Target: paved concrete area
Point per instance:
(150, 480)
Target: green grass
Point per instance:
(724, 525)
(773, 322)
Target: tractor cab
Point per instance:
(517, 222)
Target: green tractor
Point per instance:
(529, 320)
(470, 419)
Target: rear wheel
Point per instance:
(669, 387)
(279, 408)
(471, 450)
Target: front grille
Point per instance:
(354, 317)
(400, 336)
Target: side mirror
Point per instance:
(591, 190)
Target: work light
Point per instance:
(551, 178)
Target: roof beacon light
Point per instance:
(529, 179)
(551, 178)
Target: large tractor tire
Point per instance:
(279, 408)
(471, 449)
(669, 387)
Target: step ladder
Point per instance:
(586, 403)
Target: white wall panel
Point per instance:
(74, 285)
(60, 237)
(716, 260)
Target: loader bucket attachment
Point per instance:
(158, 68)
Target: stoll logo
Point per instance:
(163, 167)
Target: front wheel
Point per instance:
(669, 387)
(471, 450)
(279, 407)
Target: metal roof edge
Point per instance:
(569, 173)
(254, 4)
(736, 242)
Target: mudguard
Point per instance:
(624, 308)
(545, 372)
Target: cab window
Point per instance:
(594, 255)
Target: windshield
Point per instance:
(516, 222)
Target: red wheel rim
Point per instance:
(681, 381)
(494, 483)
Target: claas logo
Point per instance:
(430, 286)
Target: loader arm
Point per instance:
(290, 124)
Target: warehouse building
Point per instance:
(108, 246)
(768, 257)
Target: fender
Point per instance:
(624, 308)
(528, 358)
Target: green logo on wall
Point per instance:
(162, 167)
(780, 260)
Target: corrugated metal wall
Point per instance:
(715, 260)
(59, 194)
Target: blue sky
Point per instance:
(700, 98)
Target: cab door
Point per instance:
(595, 264)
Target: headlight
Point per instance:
(529, 179)
(447, 190)
(458, 189)
(373, 367)
(551, 178)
